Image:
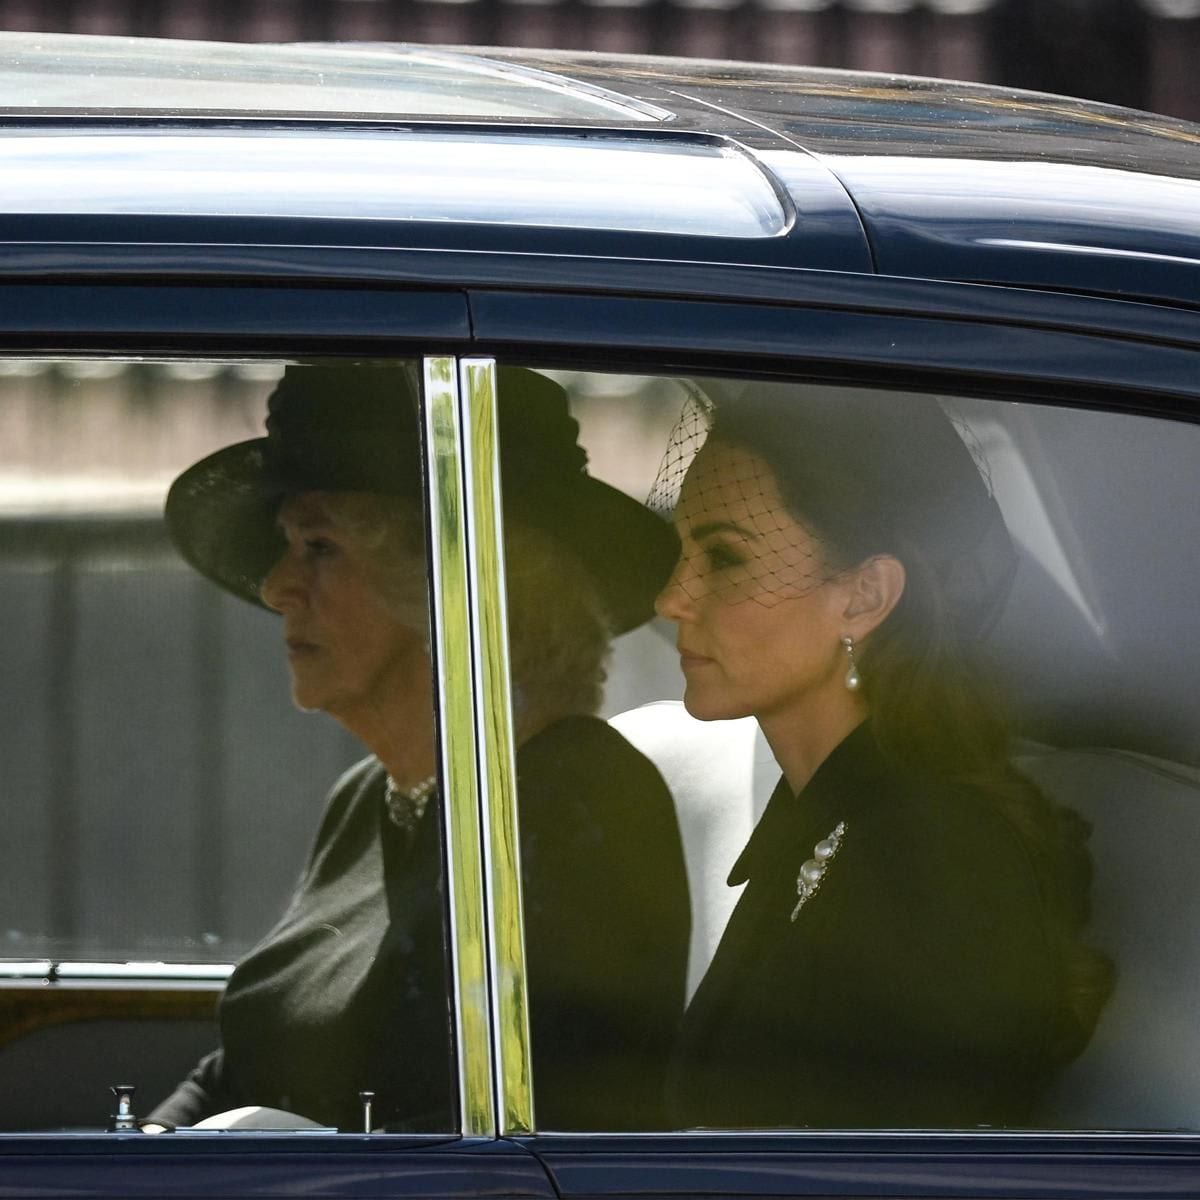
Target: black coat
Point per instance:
(349, 991)
(921, 985)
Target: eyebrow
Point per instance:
(710, 527)
(303, 521)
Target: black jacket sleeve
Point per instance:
(200, 1095)
(607, 920)
(209, 1087)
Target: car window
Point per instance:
(194, 772)
(898, 745)
(936, 926)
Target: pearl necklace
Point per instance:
(812, 872)
(406, 807)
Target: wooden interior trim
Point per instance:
(27, 1006)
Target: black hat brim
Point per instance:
(222, 516)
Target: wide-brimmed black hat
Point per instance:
(354, 427)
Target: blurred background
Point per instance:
(1140, 53)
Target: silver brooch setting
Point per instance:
(812, 871)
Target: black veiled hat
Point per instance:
(354, 427)
(868, 472)
(907, 463)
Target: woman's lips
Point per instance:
(689, 661)
(297, 646)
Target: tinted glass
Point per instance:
(192, 752)
(914, 689)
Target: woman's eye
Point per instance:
(721, 557)
(319, 547)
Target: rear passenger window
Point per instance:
(912, 678)
(190, 777)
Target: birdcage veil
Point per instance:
(689, 433)
(777, 488)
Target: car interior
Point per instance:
(149, 751)
(1091, 647)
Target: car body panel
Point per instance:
(909, 1164)
(1086, 228)
(872, 174)
(987, 335)
(229, 1164)
(970, 182)
(1022, 357)
(698, 199)
(80, 314)
(200, 260)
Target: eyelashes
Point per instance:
(719, 556)
(319, 547)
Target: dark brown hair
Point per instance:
(869, 475)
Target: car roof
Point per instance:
(618, 156)
(957, 180)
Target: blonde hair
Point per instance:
(391, 529)
(558, 630)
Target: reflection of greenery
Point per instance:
(508, 953)
(453, 651)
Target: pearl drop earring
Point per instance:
(853, 678)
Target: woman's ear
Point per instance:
(874, 589)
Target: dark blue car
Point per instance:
(181, 223)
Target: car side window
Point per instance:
(909, 678)
(197, 777)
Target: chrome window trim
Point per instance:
(149, 971)
(686, 186)
(494, 742)
(451, 630)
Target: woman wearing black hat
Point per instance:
(906, 950)
(321, 522)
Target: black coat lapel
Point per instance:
(771, 840)
(780, 843)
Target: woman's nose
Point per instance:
(281, 585)
(673, 602)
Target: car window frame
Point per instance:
(840, 1162)
(603, 341)
(1106, 372)
(458, 412)
(478, 762)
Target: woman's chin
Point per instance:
(704, 705)
(306, 696)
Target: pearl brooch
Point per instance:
(812, 871)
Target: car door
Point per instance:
(1070, 405)
(623, 356)
(161, 795)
